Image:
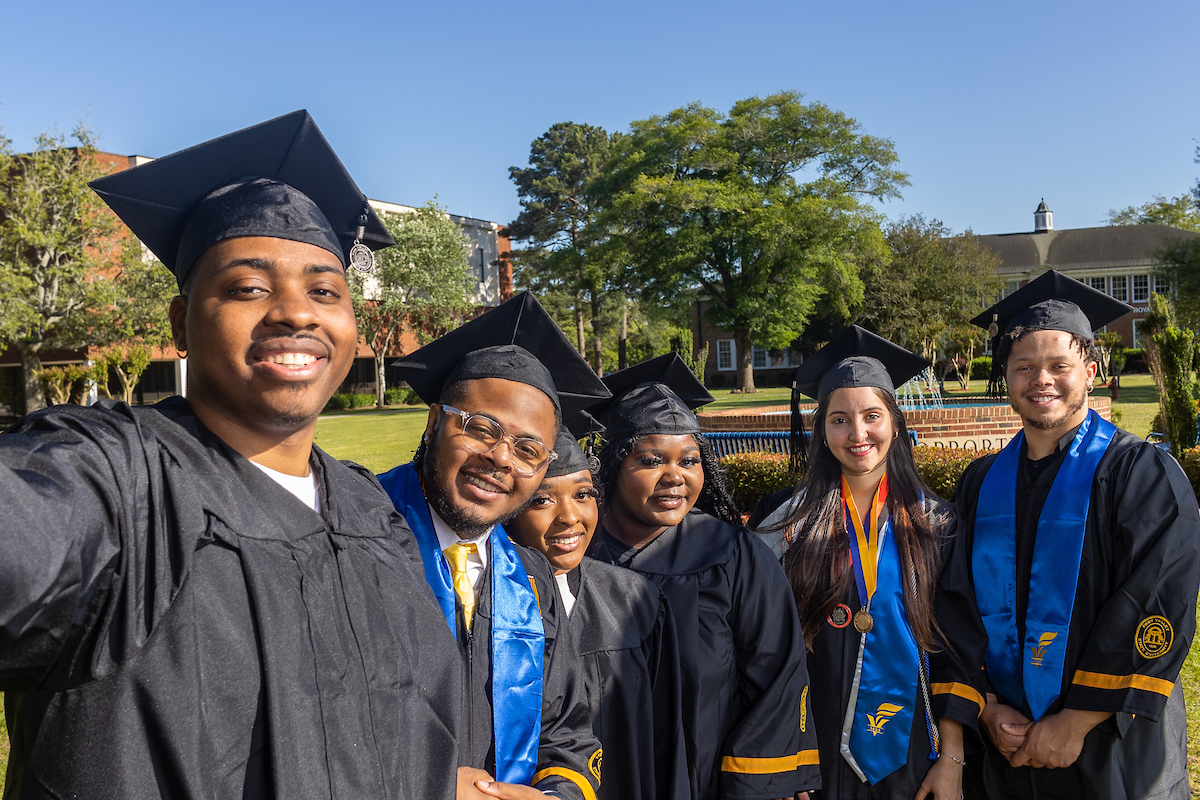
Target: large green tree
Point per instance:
(422, 284)
(53, 230)
(925, 293)
(560, 228)
(764, 211)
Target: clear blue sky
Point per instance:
(992, 106)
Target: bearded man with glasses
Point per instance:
(498, 388)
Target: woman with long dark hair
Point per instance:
(887, 612)
(668, 516)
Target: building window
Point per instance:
(1136, 343)
(759, 357)
(1009, 288)
(1099, 284)
(1120, 290)
(726, 353)
(1141, 288)
(482, 267)
(1162, 286)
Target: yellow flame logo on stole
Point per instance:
(1039, 652)
(881, 717)
(803, 709)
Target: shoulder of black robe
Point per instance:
(957, 686)
(748, 741)
(628, 642)
(147, 567)
(568, 744)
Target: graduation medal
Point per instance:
(864, 549)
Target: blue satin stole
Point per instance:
(1034, 670)
(518, 645)
(888, 683)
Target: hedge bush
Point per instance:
(340, 402)
(981, 368)
(753, 476)
(401, 397)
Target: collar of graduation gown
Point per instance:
(249, 502)
(699, 542)
(616, 608)
(1033, 670)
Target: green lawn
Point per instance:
(379, 440)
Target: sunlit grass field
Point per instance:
(379, 440)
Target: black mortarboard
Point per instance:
(856, 357)
(516, 341)
(570, 456)
(653, 397)
(279, 179)
(1053, 302)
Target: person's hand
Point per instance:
(944, 781)
(509, 791)
(1005, 725)
(467, 777)
(1055, 740)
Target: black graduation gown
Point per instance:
(173, 623)
(626, 639)
(741, 655)
(566, 741)
(956, 683)
(1141, 557)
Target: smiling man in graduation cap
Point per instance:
(1085, 553)
(498, 388)
(195, 601)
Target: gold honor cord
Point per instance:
(865, 548)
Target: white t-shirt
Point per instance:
(564, 591)
(304, 487)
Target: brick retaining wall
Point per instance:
(971, 427)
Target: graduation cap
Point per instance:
(517, 341)
(279, 179)
(1053, 302)
(856, 357)
(571, 457)
(655, 396)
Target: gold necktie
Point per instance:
(457, 554)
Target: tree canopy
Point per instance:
(764, 211)
(1181, 212)
(54, 235)
(422, 284)
(559, 222)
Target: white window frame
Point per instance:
(1136, 343)
(1162, 283)
(760, 358)
(727, 360)
(1133, 288)
(1103, 287)
(1124, 289)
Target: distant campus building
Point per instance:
(1115, 259)
(489, 265)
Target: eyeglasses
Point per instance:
(483, 434)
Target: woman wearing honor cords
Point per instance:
(886, 608)
(668, 516)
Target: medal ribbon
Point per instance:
(864, 538)
(879, 716)
(1033, 670)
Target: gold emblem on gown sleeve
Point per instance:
(1154, 636)
(594, 763)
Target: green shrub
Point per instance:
(338, 402)
(394, 396)
(753, 476)
(1189, 459)
(362, 400)
(1135, 361)
(981, 368)
(941, 467)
